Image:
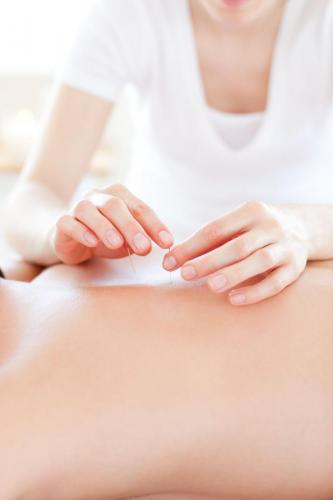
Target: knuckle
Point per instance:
(63, 221)
(277, 285)
(82, 207)
(289, 256)
(242, 248)
(235, 275)
(235, 278)
(256, 293)
(116, 188)
(140, 209)
(260, 292)
(294, 270)
(259, 208)
(129, 227)
(267, 257)
(112, 203)
(276, 225)
(210, 232)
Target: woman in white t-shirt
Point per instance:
(232, 159)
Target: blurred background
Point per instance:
(35, 38)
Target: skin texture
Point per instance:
(192, 397)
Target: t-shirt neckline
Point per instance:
(196, 77)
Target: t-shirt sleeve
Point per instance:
(326, 38)
(110, 50)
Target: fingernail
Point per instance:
(170, 263)
(90, 239)
(218, 283)
(237, 298)
(141, 242)
(188, 272)
(166, 238)
(113, 238)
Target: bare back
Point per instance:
(195, 396)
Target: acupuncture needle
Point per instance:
(131, 260)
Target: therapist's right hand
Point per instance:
(108, 223)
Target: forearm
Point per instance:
(70, 133)
(14, 268)
(315, 222)
(29, 216)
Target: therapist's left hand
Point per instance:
(254, 240)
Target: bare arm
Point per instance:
(72, 130)
(17, 269)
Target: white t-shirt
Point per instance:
(183, 163)
(236, 130)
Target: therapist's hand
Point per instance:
(254, 240)
(108, 223)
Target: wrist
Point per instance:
(17, 269)
(297, 222)
(47, 255)
(50, 242)
(303, 234)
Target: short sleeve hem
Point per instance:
(91, 84)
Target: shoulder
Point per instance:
(310, 19)
(311, 42)
(118, 39)
(314, 21)
(133, 16)
(136, 19)
(135, 26)
(322, 19)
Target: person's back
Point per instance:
(139, 390)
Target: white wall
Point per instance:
(35, 34)
(35, 37)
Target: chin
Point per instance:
(241, 11)
(234, 3)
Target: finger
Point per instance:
(152, 224)
(106, 253)
(86, 212)
(116, 211)
(69, 230)
(231, 252)
(145, 216)
(261, 261)
(214, 234)
(273, 284)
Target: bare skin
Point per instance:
(234, 83)
(192, 397)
